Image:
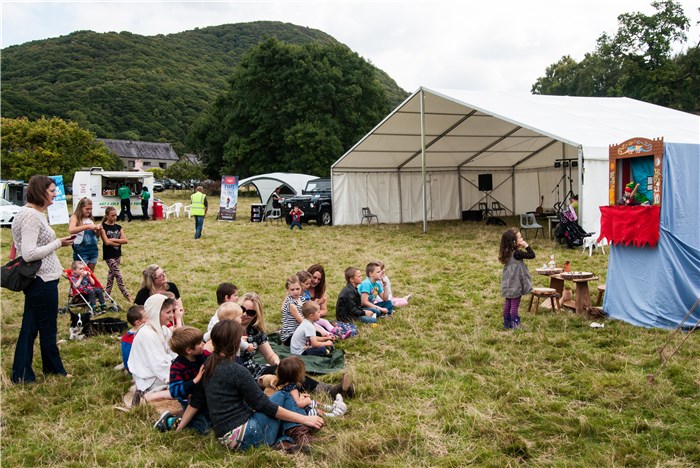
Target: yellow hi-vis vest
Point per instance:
(197, 204)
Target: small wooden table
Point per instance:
(583, 296)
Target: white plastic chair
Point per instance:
(188, 209)
(177, 207)
(168, 210)
(590, 243)
(275, 213)
(528, 221)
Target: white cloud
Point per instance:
(499, 45)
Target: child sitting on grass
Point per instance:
(291, 309)
(290, 377)
(231, 311)
(135, 316)
(185, 373)
(323, 326)
(396, 301)
(226, 292)
(83, 282)
(304, 340)
(373, 295)
(348, 308)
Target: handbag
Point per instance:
(17, 275)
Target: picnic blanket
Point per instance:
(314, 364)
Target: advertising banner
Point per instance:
(229, 198)
(58, 210)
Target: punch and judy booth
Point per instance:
(653, 225)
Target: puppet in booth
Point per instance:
(631, 197)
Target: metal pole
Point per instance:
(422, 155)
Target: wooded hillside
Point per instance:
(128, 86)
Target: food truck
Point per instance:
(101, 187)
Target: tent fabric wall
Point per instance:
(469, 132)
(656, 287)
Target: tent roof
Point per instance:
(466, 128)
(267, 183)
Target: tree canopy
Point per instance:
(636, 62)
(289, 108)
(51, 147)
(133, 87)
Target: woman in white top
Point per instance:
(35, 240)
(150, 357)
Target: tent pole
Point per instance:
(422, 154)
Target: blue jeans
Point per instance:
(295, 223)
(388, 305)
(365, 319)
(88, 252)
(264, 430)
(200, 422)
(315, 351)
(198, 225)
(40, 317)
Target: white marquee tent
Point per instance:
(447, 138)
(265, 184)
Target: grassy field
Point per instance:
(442, 384)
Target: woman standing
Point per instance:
(35, 240)
(155, 282)
(86, 233)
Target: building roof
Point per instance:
(141, 149)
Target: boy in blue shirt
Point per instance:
(373, 295)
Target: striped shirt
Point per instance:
(289, 323)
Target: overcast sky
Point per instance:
(481, 45)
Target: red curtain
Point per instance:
(637, 225)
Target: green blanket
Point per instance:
(314, 364)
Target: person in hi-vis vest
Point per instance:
(199, 210)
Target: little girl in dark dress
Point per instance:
(515, 280)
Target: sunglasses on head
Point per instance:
(249, 312)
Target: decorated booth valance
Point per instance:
(636, 225)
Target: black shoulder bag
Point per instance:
(17, 275)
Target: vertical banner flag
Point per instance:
(58, 210)
(229, 198)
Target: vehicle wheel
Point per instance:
(288, 219)
(324, 218)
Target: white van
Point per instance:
(101, 187)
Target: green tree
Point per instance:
(636, 62)
(184, 170)
(289, 108)
(51, 147)
(158, 173)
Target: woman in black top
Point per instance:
(155, 282)
(242, 415)
(113, 238)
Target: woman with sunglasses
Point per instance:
(253, 321)
(155, 282)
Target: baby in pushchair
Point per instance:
(86, 289)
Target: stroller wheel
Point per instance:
(115, 308)
(63, 310)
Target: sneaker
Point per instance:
(408, 298)
(162, 423)
(339, 406)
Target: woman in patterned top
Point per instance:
(35, 240)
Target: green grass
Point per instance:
(439, 385)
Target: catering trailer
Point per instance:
(101, 187)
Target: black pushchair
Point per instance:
(569, 231)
